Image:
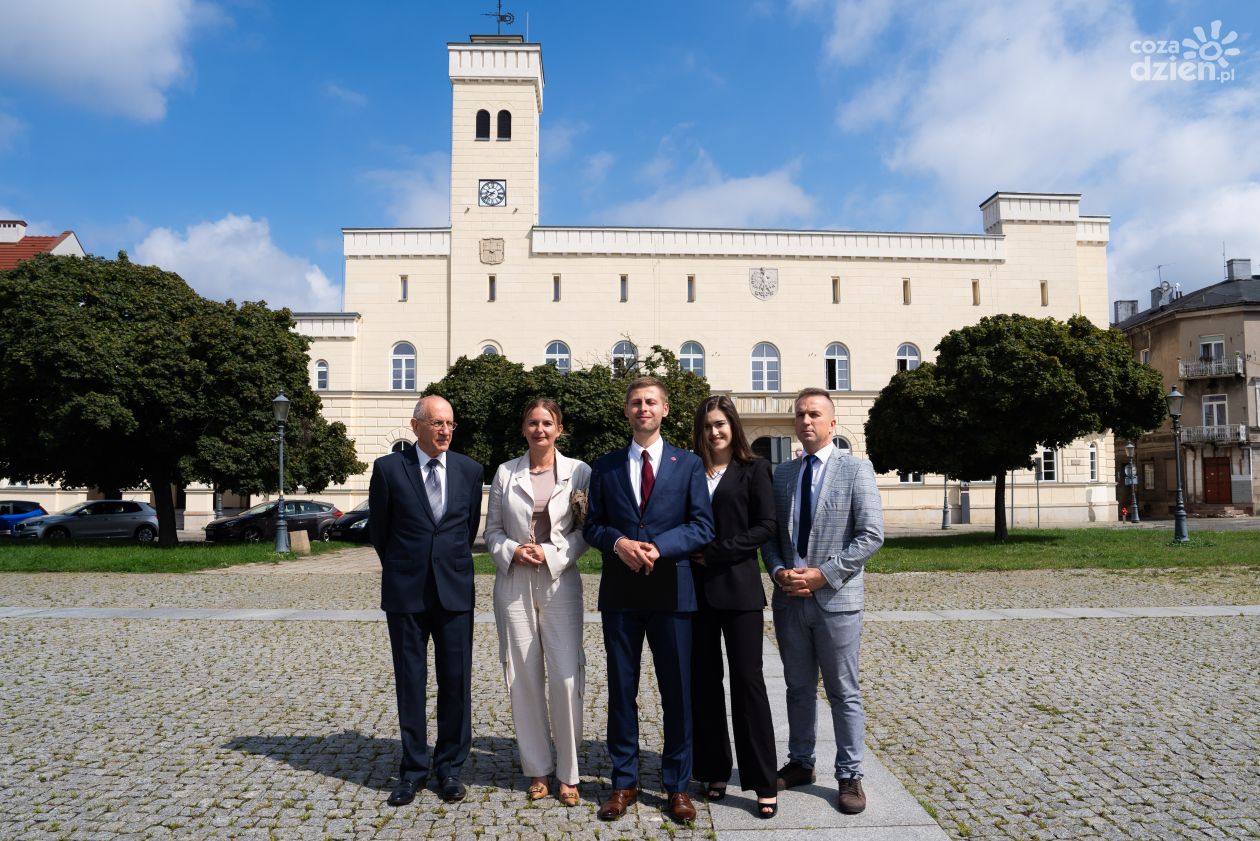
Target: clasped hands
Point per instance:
(800, 583)
(636, 554)
(529, 554)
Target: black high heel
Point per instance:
(767, 815)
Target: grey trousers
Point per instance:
(812, 640)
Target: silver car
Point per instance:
(100, 519)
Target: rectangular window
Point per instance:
(491, 290)
(555, 287)
(835, 290)
(625, 288)
(905, 291)
(1093, 463)
(402, 287)
(975, 292)
(1211, 348)
(1049, 464)
(691, 289)
(1045, 293)
(1170, 474)
(1146, 356)
(1214, 410)
(907, 478)
(1148, 476)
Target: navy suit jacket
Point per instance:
(412, 545)
(678, 519)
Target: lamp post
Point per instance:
(945, 505)
(280, 408)
(1174, 399)
(1130, 479)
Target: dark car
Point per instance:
(259, 523)
(98, 519)
(14, 511)
(352, 525)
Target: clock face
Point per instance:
(492, 193)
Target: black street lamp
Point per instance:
(1174, 399)
(1130, 479)
(280, 408)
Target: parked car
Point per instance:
(259, 523)
(352, 525)
(98, 519)
(14, 511)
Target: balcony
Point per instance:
(1233, 434)
(1206, 368)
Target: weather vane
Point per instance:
(500, 17)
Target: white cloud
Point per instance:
(1034, 96)
(234, 257)
(595, 168)
(11, 128)
(419, 193)
(344, 94)
(768, 200)
(114, 57)
(557, 137)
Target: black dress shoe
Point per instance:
(452, 790)
(404, 793)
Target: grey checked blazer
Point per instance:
(848, 528)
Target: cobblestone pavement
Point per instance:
(1064, 729)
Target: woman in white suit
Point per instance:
(536, 541)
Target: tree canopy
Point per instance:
(119, 375)
(1001, 388)
(488, 394)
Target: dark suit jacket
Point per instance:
(413, 548)
(678, 519)
(743, 511)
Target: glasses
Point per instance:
(438, 425)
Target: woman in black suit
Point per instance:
(731, 601)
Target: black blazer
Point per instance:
(743, 510)
(413, 547)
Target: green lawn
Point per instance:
(22, 556)
(961, 552)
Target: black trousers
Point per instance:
(750, 707)
(409, 635)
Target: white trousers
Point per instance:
(540, 646)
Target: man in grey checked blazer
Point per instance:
(830, 523)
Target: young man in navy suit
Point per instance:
(648, 511)
(426, 507)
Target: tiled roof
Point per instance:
(1227, 293)
(12, 253)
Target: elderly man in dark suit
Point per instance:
(648, 511)
(830, 524)
(426, 507)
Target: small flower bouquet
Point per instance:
(577, 504)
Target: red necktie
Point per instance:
(649, 479)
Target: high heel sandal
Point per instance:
(715, 791)
(773, 809)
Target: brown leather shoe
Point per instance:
(680, 807)
(852, 800)
(617, 803)
(795, 774)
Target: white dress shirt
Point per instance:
(440, 470)
(824, 458)
(635, 465)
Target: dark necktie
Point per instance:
(433, 487)
(649, 479)
(807, 506)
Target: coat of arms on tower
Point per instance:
(492, 251)
(763, 282)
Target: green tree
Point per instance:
(1001, 388)
(119, 375)
(489, 392)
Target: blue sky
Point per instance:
(232, 140)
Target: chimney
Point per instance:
(12, 230)
(1161, 295)
(1237, 269)
(1124, 310)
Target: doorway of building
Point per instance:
(1216, 480)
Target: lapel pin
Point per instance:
(673, 458)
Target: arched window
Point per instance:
(403, 367)
(483, 125)
(624, 357)
(321, 375)
(505, 125)
(842, 443)
(691, 358)
(907, 357)
(489, 350)
(836, 370)
(557, 354)
(401, 446)
(765, 367)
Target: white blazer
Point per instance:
(511, 509)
